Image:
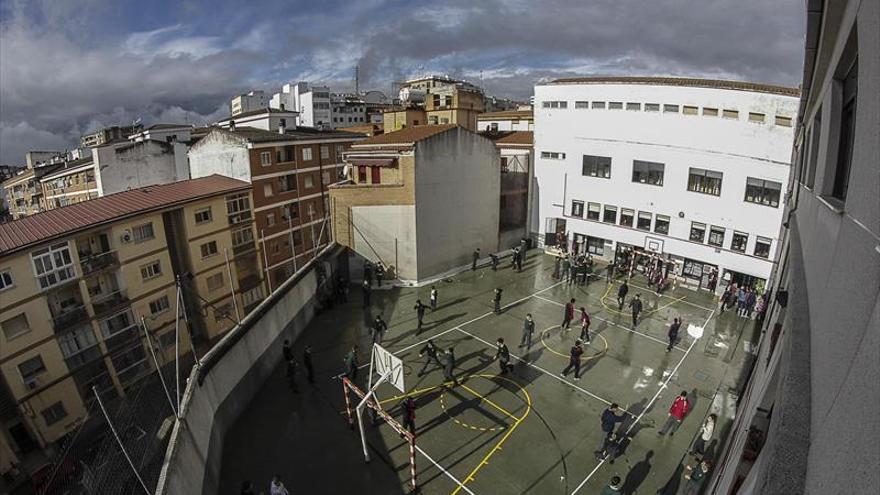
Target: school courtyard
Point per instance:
(528, 431)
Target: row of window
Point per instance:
(727, 113)
(758, 191)
(341, 120)
(644, 219)
(287, 153)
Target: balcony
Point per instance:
(97, 262)
(69, 317)
(104, 304)
(244, 247)
(248, 282)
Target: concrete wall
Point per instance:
(240, 363)
(457, 199)
(391, 232)
(220, 153)
(137, 165)
(736, 147)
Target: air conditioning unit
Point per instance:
(31, 383)
(126, 236)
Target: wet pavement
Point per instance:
(527, 431)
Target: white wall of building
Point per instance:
(248, 102)
(145, 163)
(392, 235)
(736, 147)
(220, 153)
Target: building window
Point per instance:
(661, 224)
(267, 190)
(670, 108)
(762, 192)
(74, 345)
(265, 158)
(53, 265)
(648, 172)
(54, 413)
(634, 107)
(362, 175)
(375, 175)
(214, 282)
(597, 166)
(297, 238)
(626, 217)
(716, 236)
(598, 105)
(593, 211)
(325, 152)
(615, 105)
(644, 221)
(739, 241)
(553, 155)
(610, 214)
(698, 232)
(652, 107)
(308, 182)
(705, 181)
(762, 247)
(730, 114)
(203, 215)
(159, 305)
(307, 153)
(783, 121)
(290, 212)
(242, 237)
(15, 326)
(287, 183)
(692, 269)
(270, 219)
(208, 249)
(5, 279)
(840, 184)
(710, 112)
(757, 118)
(143, 232)
(289, 153)
(689, 110)
(31, 368)
(251, 296)
(151, 270)
(577, 209)
(238, 208)
(596, 246)
(581, 105)
(815, 132)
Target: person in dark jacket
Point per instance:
(497, 300)
(287, 350)
(609, 272)
(420, 314)
(380, 274)
(621, 295)
(610, 417)
(493, 259)
(378, 329)
(307, 362)
(574, 360)
(449, 366)
(567, 315)
(476, 257)
(431, 351)
(636, 305)
(366, 290)
(408, 409)
(528, 331)
(672, 334)
(502, 354)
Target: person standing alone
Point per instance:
(307, 362)
(574, 360)
(449, 366)
(621, 295)
(476, 258)
(497, 300)
(408, 407)
(679, 409)
(672, 334)
(420, 314)
(636, 305)
(528, 331)
(567, 315)
(434, 295)
(502, 354)
(378, 330)
(585, 325)
(705, 435)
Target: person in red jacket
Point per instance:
(585, 325)
(408, 408)
(567, 316)
(680, 408)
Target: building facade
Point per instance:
(83, 284)
(511, 120)
(807, 417)
(289, 173)
(419, 200)
(248, 102)
(436, 100)
(109, 134)
(23, 191)
(517, 154)
(690, 169)
(70, 183)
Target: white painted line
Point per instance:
(548, 373)
(453, 478)
(663, 386)
(458, 327)
(655, 339)
(648, 289)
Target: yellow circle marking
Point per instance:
(488, 401)
(566, 356)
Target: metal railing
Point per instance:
(98, 262)
(107, 303)
(65, 319)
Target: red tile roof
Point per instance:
(404, 137)
(506, 114)
(67, 220)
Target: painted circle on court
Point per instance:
(485, 399)
(566, 356)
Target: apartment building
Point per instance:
(807, 418)
(311, 102)
(420, 200)
(81, 286)
(267, 119)
(70, 183)
(690, 169)
(23, 191)
(436, 100)
(248, 102)
(289, 171)
(108, 134)
(508, 120)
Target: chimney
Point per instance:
(231, 125)
(282, 126)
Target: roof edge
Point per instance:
(680, 81)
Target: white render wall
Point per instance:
(391, 231)
(737, 148)
(144, 164)
(220, 153)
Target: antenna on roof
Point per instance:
(356, 79)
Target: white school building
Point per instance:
(692, 169)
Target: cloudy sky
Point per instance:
(70, 66)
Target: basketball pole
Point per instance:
(360, 407)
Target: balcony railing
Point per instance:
(244, 247)
(69, 317)
(107, 303)
(248, 282)
(98, 262)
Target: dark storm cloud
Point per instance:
(66, 69)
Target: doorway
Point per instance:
(22, 438)
(554, 231)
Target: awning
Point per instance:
(373, 162)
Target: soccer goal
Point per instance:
(390, 369)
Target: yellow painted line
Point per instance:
(566, 356)
(411, 393)
(497, 447)
(466, 425)
(488, 401)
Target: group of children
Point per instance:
(746, 299)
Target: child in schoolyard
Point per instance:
(574, 360)
(585, 325)
(704, 436)
(679, 409)
(695, 476)
(567, 315)
(502, 354)
(672, 334)
(434, 296)
(528, 332)
(613, 487)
